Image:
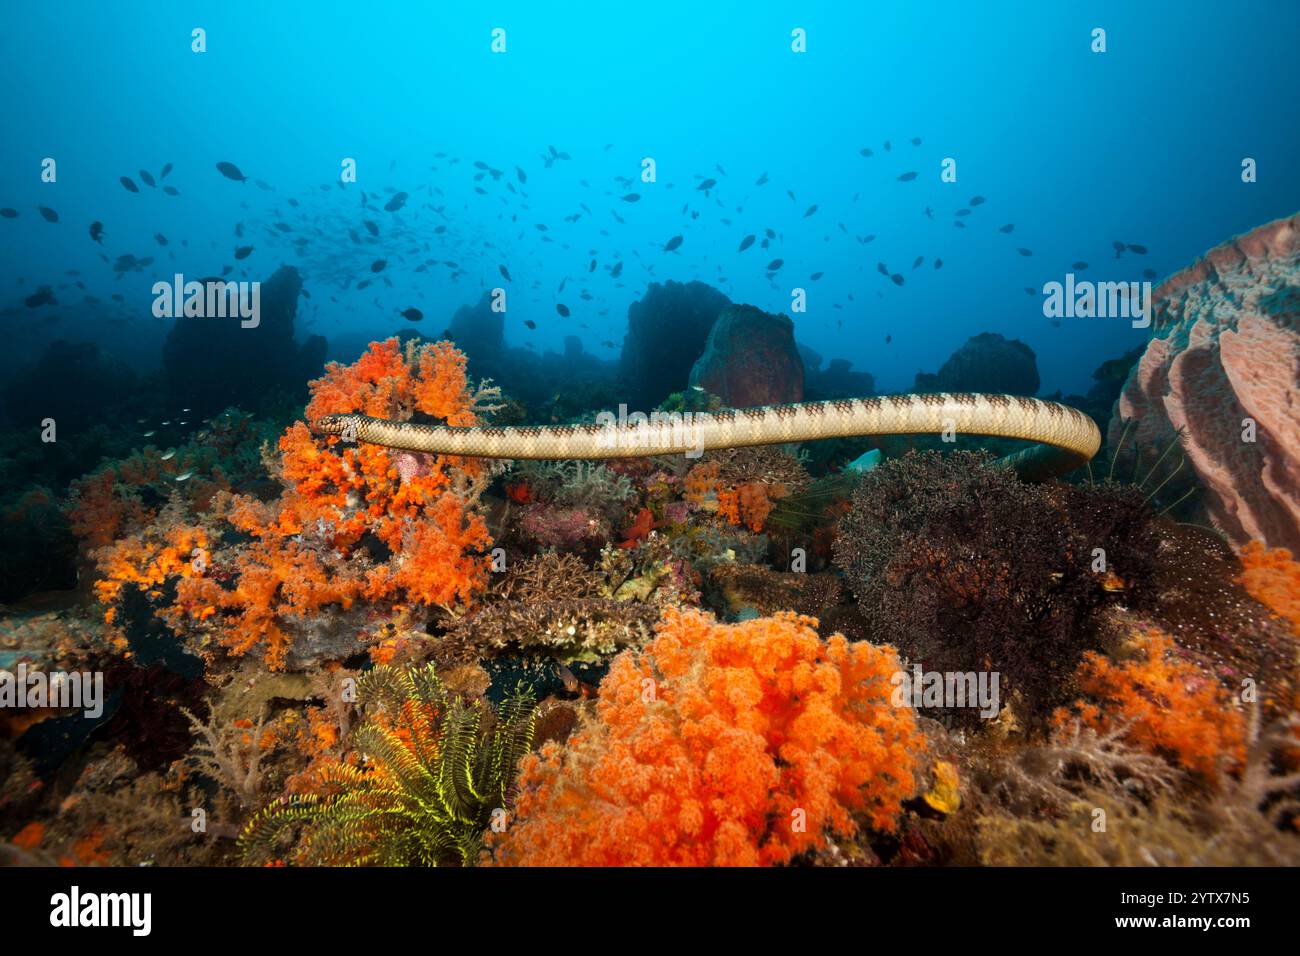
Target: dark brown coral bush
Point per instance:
(965, 568)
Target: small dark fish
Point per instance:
(1148, 273)
(42, 296)
(906, 177)
(159, 238)
(746, 243)
(243, 252)
(916, 141)
(1134, 247)
(976, 201)
(811, 209)
(1081, 265)
(1024, 252)
(707, 185)
(1009, 227)
(171, 191)
(882, 268)
(938, 263)
(962, 212)
(1119, 248)
(563, 309)
(887, 146)
(97, 231)
(888, 339)
(632, 197)
(616, 271)
(761, 180)
(231, 171)
(530, 323)
(592, 268)
(672, 243)
(396, 203)
(378, 265)
(917, 263)
(370, 227)
(958, 224)
(865, 152)
(897, 279)
(49, 214)
(412, 315)
(127, 184)
(775, 264)
(9, 213)
(523, 177)
(815, 276)
(165, 170)
(147, 178)
(505, 273)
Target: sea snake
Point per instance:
(1067, 437)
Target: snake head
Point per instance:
(335, 424)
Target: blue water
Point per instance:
(1141, 144)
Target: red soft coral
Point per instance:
(740, 744)
(353, 522)
(1164, 704)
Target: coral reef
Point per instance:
(721, 744)
(1161, 703)
(964, 568)
(437, 769)
(352, 522)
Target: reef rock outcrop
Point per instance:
(1223, 364)
(480, 333)
(666, 332)
(988, 362)
(210, 363)
(750, 359)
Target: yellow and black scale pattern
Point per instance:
(1066, 437)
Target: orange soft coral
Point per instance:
(354, 521)
(1165, 705)
(720, 744)
(148, 560)
(1273, 579)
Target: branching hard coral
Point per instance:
(230, 752)
(965, 568)
(754, 588)
(1247, 822)
(721, 744)
(558, 605)
(437, 769)
(1164, 704)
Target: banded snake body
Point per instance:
(1066, 437)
